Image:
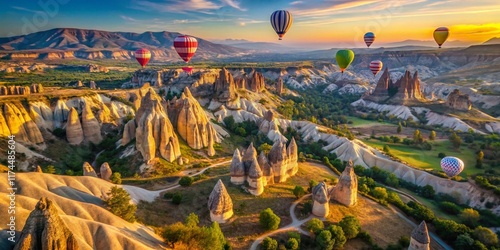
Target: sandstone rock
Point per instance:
(180, 161)
(3, 90)
(88, 170)
(211, 149)
(128, 132)
(61, 112)
(267, 170)
(280, 87)
(96, 68)
(237, 169)
(220, 204)
(90, 125)
(407, 88)
(155, 134)
(79, 84)
(321, 198)
(20, 124)
(420, 238)
(255, 178)
(256, 82)
(45, 230)
(74, 130)
(4, 128)
(346, 190)
(106, 171)
(459, 101)
(224, 87)
(38, 169)
(283, 160)
(92, 85)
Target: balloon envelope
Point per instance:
(142, 56)
(440, 35)
(188, 69)
(369, 38)
(344, 58)
(281, 20)
(185, 46)
(452, 166)
(376, 66)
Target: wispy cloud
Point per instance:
(178, 6)
(331, 9)
(127, 18)
(26, 9)
(245, 21)
(296, 2)
(233, 4)
(492, 29)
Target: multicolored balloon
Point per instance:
(369, 38)
(376, 66)
(281, 20)
(440, 35)
(142, 56)
(185, 46)
(452, 166)
(344, 58)
(188, 69)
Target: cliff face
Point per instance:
(191, 122)
(459, 101)
(155, 134)
(405, 89)
(45, 230)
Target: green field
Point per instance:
(428, 159)
(356, 122)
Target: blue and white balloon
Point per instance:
(452, 166)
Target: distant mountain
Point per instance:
(494, 40)
(258, 46)
(428, 43)
(85, 43)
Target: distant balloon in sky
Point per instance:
(344, 58)
(452, 166)
(142, 56)
(185, 46)
(376, 66)
(369, 38)
(281, 20)
(188, 69)
(440, 35)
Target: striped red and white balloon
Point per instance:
(376, 66)
(452, 166)
(188, 69)
(281, 20)
(369, 38)
(142, 56)
(185, 46)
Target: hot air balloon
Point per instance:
(142, 56)
(452, 166)
(188, 69)
(185, 46)
(440, 35)
(281, 20)
(344, 58)
(376, 66)
(369, 38)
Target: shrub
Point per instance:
(379, 193)
(469, 217)
(324, 240)
(177, 198)
(351, 226)
(269, 244)
(186, 181)
(428, 191)
(441, 155)
(450, 207)
(298, 191)
(338, 236)
(118, 203)
(292, 244)
(268, 220)
(116, 178)
(315, 225)
(486, 236)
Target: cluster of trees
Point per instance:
(189, 235)
(248, 130)
(118, 203)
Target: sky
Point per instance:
(317, 24)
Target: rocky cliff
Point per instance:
(191, 122)
(21, 90)
(405, 89)
(459, 101)
(45, 230)
(154, 132)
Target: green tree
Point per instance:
(268, 220)
(292, 244)
(315, 225)
(469, 217)
(186, 181)
(118, 203)
(464, 242)
(241, 131)
(455, 140)
(269, 244)
(400, 128)
(264, 147)
(192, 220)
(299, 191)
(432, 135)
(486, 236)
(417, 137)
(351, 226)
(449, 230)
(302, 158)
(392, 180)
(428, 191)
(387, 149)
(324, 240)
(177, 198)
(363, 188)
(312, 184)
(50, 169)
(174, 233)
(379, 193)
(479, 159)
(116, 178)
(295, 235)
(229, 122)
(338, 236)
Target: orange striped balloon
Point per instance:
(185, 46)
(376, 66)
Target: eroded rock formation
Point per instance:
(420, 238)
(346, 190)
(90, 125)
(224, 87)
(21, 90)
(74, 130)
(321, 199)
(220, 203)
(237, 169)
(15, 120)
(88, 170)
(459, 101)
(45, 230)
(280, 87)
(406, 89)
(105, 171)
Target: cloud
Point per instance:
(331, 9)
(127, 18)
(178, 6)
(26, 9)
(245, 21)
(296, 2)
(489, 29)
(233, 4)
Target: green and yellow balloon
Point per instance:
(344, 58)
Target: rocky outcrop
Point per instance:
(256, 82)
(105, 171)
(191, 122)
(15, 120)
(96, 68)
(128, 132)
(88, 170)
(38, 169)
(224, 87)
(155, 134)
(406, 89)
(267, 170)
(90, 125)
(74, 130)
(381, 91)
(220, 204)
(237, 169)
(420, 238)
(346, 190)
(21, 90)
(459, 101)
(45, 230)
(79, 84)
(280, 87)
(61, 112)
(255, 178)
(321, 199)
(283, 160)
(92, 85)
